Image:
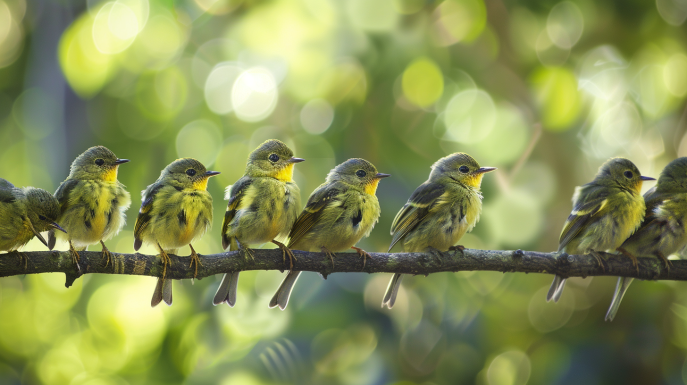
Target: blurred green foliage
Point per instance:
(544, 90)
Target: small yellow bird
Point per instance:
(605, 213)
(662, 232)
(263, 205)
(25, 213)
(338, 214)
(176, 210)
(439, 212)
(92, 202)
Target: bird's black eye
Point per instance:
(360, 173)
(628, 174)
(42, 217)
(99, 162)
(464, 169)
(273, 158)
(190, 172)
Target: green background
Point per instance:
(546, 91)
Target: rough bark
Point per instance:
(92, 262)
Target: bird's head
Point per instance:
(187, 173)
(272, 159)
(358, 173)
(96, 163)
(459, 167)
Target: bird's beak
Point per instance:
(211, 173)
(58, 227)
(295, 160)
(38, 235)
(382, 175)
(482, 170)
(646, 178)
(121, 161)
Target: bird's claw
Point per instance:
(195, 259)
(107, 256)
(362, 253)
(284, 252)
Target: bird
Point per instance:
(339, 213)
(662, 232)
(92, 202)
(263, 205)
(439, 212)
(24, 214)
(606, 211)
(175, 211)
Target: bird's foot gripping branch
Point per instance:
(507, 261)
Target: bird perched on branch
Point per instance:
(176, 210)
(662, 232)
(263, 205)
(605, 213)
(92, 202)
(24, 214)
(339, 213)
(439, 212)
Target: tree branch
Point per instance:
(92, 262)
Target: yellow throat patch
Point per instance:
(371, 187)
(285, 174)
(474, 180)
(111, 174)
(201, 184)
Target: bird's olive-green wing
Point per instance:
(236, 194)
(415, 210)
(64, 191)
(5, 184)
(591, 205)
(62, 195)
(319, 200)
(144, 215)
(6, 192)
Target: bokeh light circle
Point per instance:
(114, 28)
(200, 139)
(565, 24)
(469, 116)
(316, 116)
(218, 87)
(254, 95)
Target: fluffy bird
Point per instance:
(339, 213)
(24, 214)
(662, 232)
(176, 210)
(439, 212)
(605, 213)
(92, 202)
(263, 205)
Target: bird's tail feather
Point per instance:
(620, 289)
(281, 297)
(392, 291)
(163, 292)
(556, 289)
(226, 293)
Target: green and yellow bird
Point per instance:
(24, 214)
(339, 213)
(92, 202)
(605, 213)
(263, 205)
(662, 232)
(176, 210)
(439, 212)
